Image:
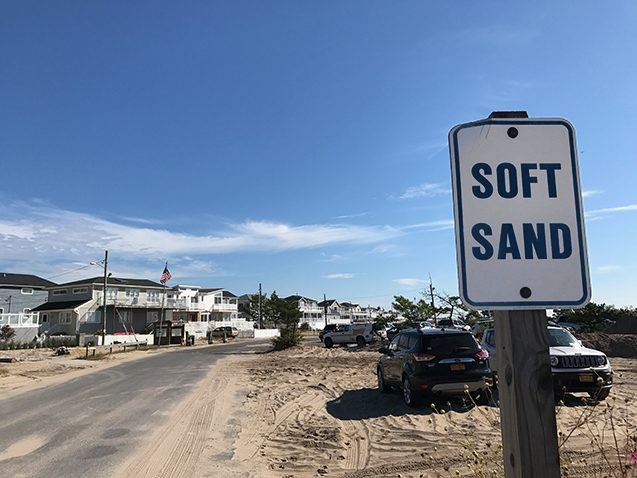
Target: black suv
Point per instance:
(433, 362)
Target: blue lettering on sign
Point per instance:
(534, 240)
(508, 182)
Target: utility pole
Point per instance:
(104, 298)
(325, 308)
(260, 318)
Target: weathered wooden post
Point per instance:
(525, 385)
(521, 249)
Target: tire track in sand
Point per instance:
(176, 449)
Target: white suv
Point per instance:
(359, 334)
(575, 368)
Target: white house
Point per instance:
(77, 307)
(202, 308)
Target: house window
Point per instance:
(1, 310)
(130, 293)
(60, 292)
(66, 318)
(26, 290)
(80, 290)
(111, 293)
(44, 317)
(204, 317)
(26, 310)
(152, 296)
(94, 316)
(152, 316)
(217, 300)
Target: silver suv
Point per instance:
(575, 368)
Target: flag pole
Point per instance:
(161, 314)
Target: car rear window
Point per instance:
(450, 344)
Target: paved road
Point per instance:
(89, 424)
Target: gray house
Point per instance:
(20, 294)
(77, 307)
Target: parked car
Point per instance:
(455, 323)
(575, 368)
(359, 334)
(228, 332)
(433, 361)
(328, 328)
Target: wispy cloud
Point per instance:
(441, 225)
(383, 249)
(344, 275)
(592, 192)
(597, 213)
(410, 282)
(426, 190)
(350, 216)
(46, 235)
(608, 269)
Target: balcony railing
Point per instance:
(19, 320)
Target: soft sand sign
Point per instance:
(518, 214)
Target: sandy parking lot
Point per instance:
(311, 411)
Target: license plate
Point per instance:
(457, 366)
(585, 378)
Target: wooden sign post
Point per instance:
(527, 404)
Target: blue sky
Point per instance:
(298, 144)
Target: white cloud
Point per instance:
(382, 249)
(592, 192)
(426, 190)
(596, 213)
(441, 225)
(409, 282)
(350, 216)
(345, 275)
(41, 238)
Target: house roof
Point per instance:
(348, 304)
(327, 303)
(114, 281)
(214, 289)
(8, 279)
(296, 298)
(63, 305)
(228, 294)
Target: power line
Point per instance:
(92, 263)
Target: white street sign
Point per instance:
(519, 222)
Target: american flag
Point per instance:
(165, 276)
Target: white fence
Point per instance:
(266, 333)
(128, 339)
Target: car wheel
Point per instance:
(329, 343)
(600, 395)
(360, 341)
(382, 386)
(409, 396)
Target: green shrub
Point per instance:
(289, 338)
(304, 327)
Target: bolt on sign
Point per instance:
(519, 222)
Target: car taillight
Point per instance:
(423, 357)
(482, 354)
